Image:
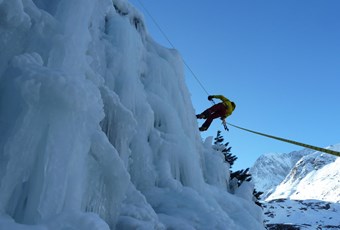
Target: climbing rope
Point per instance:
(335, 153)
(332, 152)
(172, 45)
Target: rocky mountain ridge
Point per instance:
(301, 189)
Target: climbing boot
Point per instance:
(200, 116)
(203, 128)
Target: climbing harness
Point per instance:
(329, 151)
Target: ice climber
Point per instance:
(221, 110)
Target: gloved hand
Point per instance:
(210, 97)
(224, 124)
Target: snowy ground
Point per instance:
(302, 214)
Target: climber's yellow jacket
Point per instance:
(229, 104)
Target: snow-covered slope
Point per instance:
(270, 169)
(97, 127)
(308, 196)
(315, 176)
(302, 214)
(296, 174)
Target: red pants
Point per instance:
(215, 111)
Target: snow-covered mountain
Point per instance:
(307, 197)
(295, 174)
(98, 130)
(314, 176)
(270, 169)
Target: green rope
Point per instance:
(172, 45)
(204, 89)
(332, 152)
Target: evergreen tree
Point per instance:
(228, 156)
(239, 176)
(257, 197)
(218, 139)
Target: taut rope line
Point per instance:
(329, 151)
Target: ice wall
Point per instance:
(97, 127)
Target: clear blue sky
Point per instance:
(278, 60)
